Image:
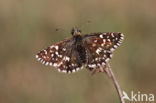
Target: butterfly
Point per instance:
(91, 51)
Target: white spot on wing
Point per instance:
(64, 49)
(99, 64)
(101, 36)
(96, 59)
(98, 50)
(43, 62)
(73, 70)
(122, 38)
(56, 53)
(115, 46)
(103, 63)
(36, 56)
(67, 58)
(64, 71)
(120, 41)
(54, 64)
(60, 56)
(45, 51)
(107, 60)
(56, 47)
(50, 63)
(112, 34)
(46, 63)
(118, 44)
(102, 44)
(122, 35)
(104, 40)
(39, 59)
(112, 49)
(95, 41)
(52, 55)
(69, 72)
(92, 65)
(50, 51)
(77, 69)
(58, 70)
(73, 64)
(51, 46)
(108, 40)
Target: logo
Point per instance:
(138, 96)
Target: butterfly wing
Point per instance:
(62, 55)
(99, 47)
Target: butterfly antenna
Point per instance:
(82, 26)
(59, 29)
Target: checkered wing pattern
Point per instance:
(61, 55)
(100, 47)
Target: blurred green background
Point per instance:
(27, 26)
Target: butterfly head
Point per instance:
(75, 31)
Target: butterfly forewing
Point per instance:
(61, 55)
(53, 54)
(100, 47)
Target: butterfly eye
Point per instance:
(72, 31)
(79, 31)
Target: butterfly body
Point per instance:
(91, 50)
(79, 48)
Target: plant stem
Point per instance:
(111, 74)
